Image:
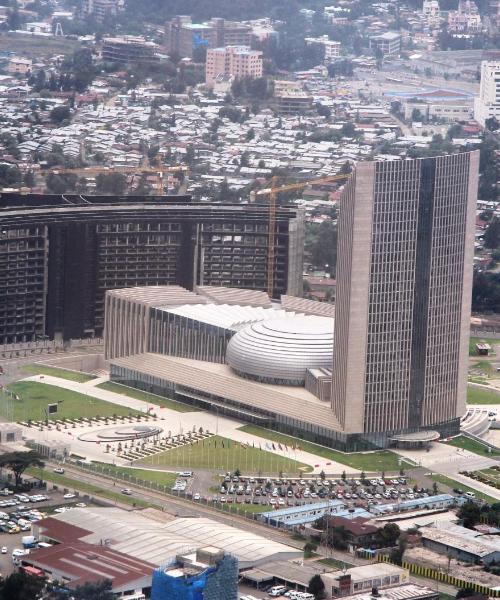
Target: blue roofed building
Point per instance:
(295, 516)
(430, 503)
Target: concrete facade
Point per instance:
(404, 280)
(488, 103)
(236, 61)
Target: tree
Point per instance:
(322, 476)
(323, 245)
(323, 111)
(100, 590)
(470, 514)
(466, 593)
(309, 548)
(492, 234)
(190, 155)
(492, 124)
(18, 462)
(343, 476)
(250, 134)
(316, 587)
(111, 183)
(388, 535)
(20, 586)
(59, 114)
(416, 115)
(335, 537)
(29, 179)
(349, 129)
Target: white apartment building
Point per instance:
(388, 42)
(488, 103)
(332, 48)
(238, 61)
(431, 12)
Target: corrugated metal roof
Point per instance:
(155, 542)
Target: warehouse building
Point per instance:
(155, 537)
(463, 544)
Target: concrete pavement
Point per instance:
(175, 422)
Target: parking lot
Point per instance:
(18, 512)
(279, 493)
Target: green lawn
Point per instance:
(34, 397)
(159, 477)
(380, 460)
(39, 369)
(492, 474)
(118, 388)
(220, 453)
(475, 340)
(464, 442)
(479, 396)
(452, 484)
(86, 488)
(334, 563)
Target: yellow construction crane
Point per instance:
(92, 171)
(273, 192)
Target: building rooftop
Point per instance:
(80, 563)
(401, 592)
(157, 296)
(154, 541)
(228, 316)
(454, 538)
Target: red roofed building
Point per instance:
(359, 532)
(76, 563)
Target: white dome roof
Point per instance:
(280, 350)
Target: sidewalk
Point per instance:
(177, 422)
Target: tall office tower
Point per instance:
(404, 279)
(487, 104)
(59, 255)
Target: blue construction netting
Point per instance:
(214, 583)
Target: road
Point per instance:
(184, 508)
(181, 507)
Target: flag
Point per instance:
(223, 444)
(279, 445)
(260, 445)
(253, 444)
(286, 447)
(274, 447)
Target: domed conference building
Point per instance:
(388, 364)
(281, 351)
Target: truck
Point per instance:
(28, 541)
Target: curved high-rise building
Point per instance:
(60, 254)
(404, 280)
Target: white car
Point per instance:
(59, 470)
(4, 549)
(127, 492)
(69, 496)
(80, 505)
(197, 497)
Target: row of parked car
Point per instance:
(19, 520)
(18, 499)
